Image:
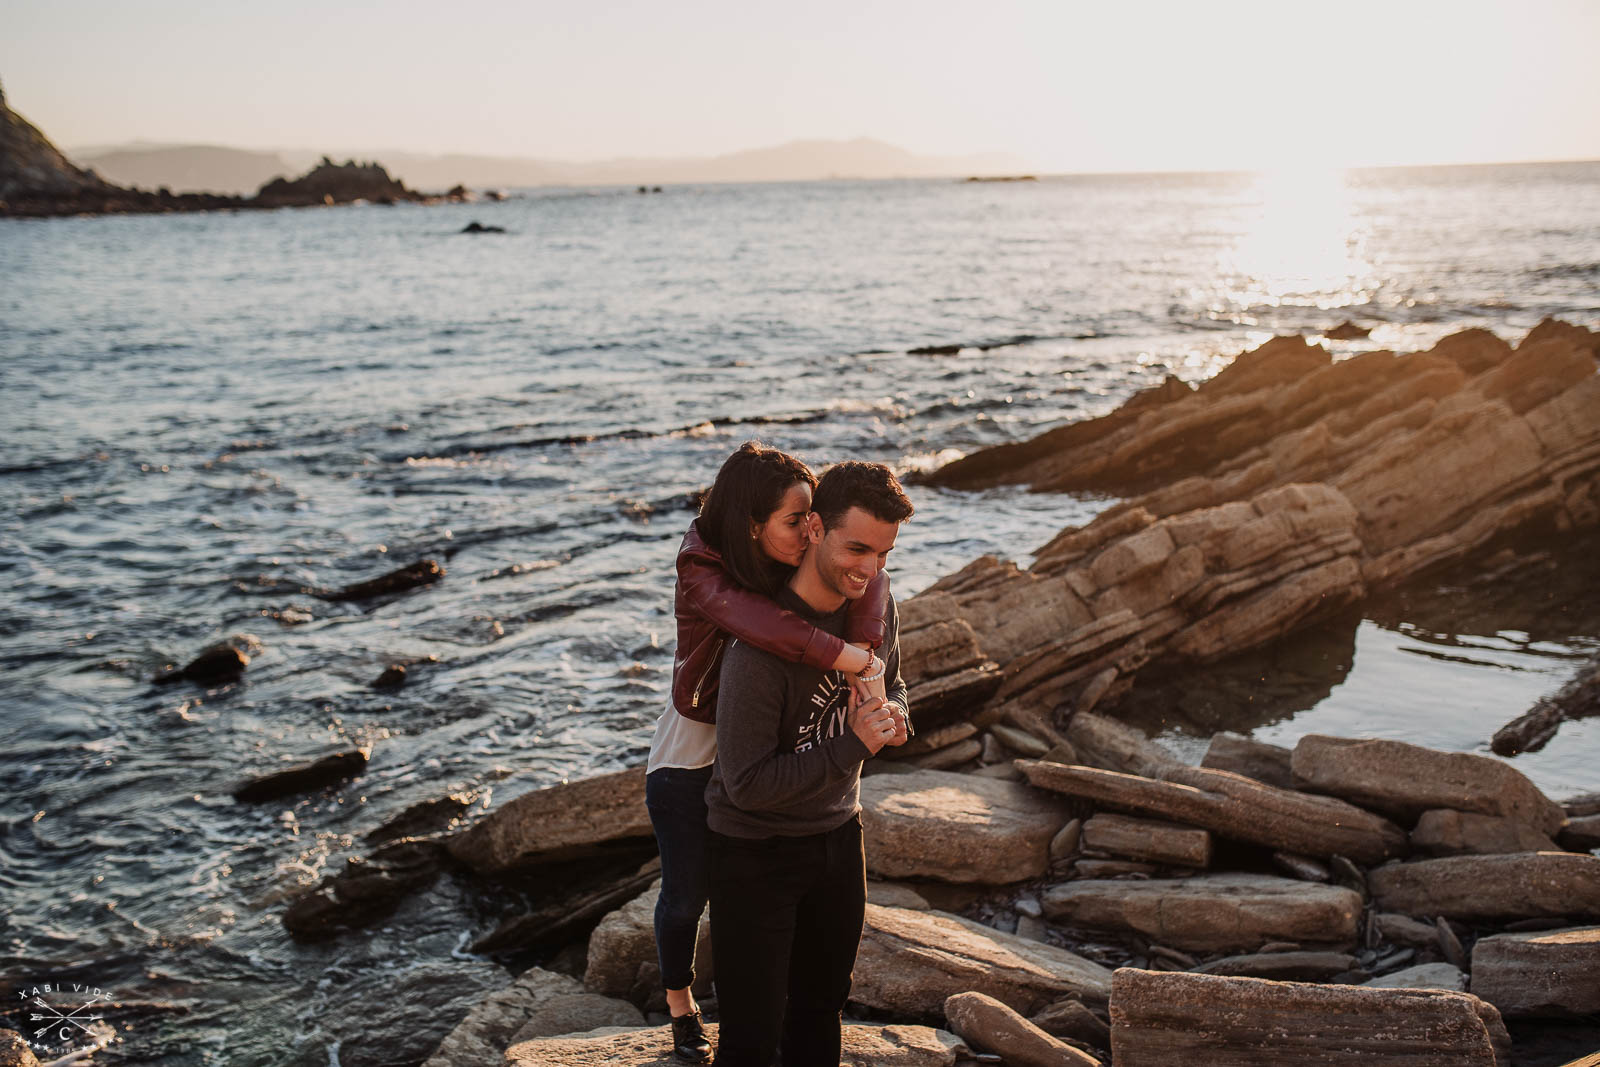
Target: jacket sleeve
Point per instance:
(707, 590)
(756, 774)
(866, 619)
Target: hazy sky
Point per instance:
(1066, 85)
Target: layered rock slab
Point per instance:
(1233, 806)
(957, 828)
(1161, 1018)
(568, 821)
(910, 962)
(1516, 885)
(1547, 973)
(538, 1003)
(622, 958)
(1211, 912)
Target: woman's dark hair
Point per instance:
(749, 488)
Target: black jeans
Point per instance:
(786, 917)
(676, 798)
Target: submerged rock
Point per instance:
(423, 572)
(305, 778)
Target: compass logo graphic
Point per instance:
(61, 1017)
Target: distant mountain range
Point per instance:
(206, 168)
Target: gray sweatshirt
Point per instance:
(788, 763)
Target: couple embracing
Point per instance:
(786, 678)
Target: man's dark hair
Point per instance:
(872, 487)
(749, 488)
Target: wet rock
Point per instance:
(424, 817)
(586, 818)
(1251, 758)
(1547, 973)
(622, 954)
(1581, 834)
(1163, 1018)
(1147, 839)
(217, 664)
(1233, 806)
(1211, 912)
(1424, 976)
(537, 1004)
(589, 891)
(1104, 742)
(1532, 730)
(1444, 832)
(911, 961)
(478, 227)
(863, 1045)
(957, 828)
(1405, 780)
(1282, 966)
(393, 677)
(985, 1023)
(423, 572)
(1510, 886)
(366, 891)
(304, 778)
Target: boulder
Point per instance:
(1147, 839)
(911, 961)
(216, 664)
(1232, 806)
(622, 954)
(1072, 1019)
(957, 828)
(1424, 976)
(1543, 973)
(1405, 780)
(537, 1004)
(1161, 1018)
(985, 1023)
(561, 822)
(1446, 832)
(1211, 912)
(1516, 885)
(864, 1045)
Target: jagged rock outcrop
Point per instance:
(1284, 489)
(335, 183)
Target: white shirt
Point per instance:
(682, 742)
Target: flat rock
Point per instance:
(538, 1003)
(1233, 806)
(1211, 912)
(1406, 780)
(957, 828)
(985, 1023)
(568, 821)
(1147, 839)
(1545, 973)
(1162, 1018)
(1517, 885)
(1283, 966)
(1251, 758)
(1424, 976)
(911, 961)
(864, 1045)
(1446, 832)
(622, 954)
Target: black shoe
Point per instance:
(689, 1042)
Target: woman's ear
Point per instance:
(755, 530)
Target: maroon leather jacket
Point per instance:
(711, 607)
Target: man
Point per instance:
(788, 879)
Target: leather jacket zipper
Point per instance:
(694, 701)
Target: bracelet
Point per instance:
(882, 669)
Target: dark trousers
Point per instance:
(676, 799)
(786, 917)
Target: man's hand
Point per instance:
(902, 724)
(872, 721)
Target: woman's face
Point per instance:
(783, 535)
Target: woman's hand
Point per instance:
(871, 681)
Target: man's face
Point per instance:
(852, 553)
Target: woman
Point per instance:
(737, 554)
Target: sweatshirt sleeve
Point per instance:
(756, 774)
(708, 591)
(866, 619)
(894, 685)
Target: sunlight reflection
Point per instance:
(1299, 246)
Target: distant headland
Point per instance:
(38, 181)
